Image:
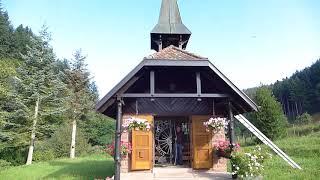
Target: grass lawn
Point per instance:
(90, 167)
(303, 150)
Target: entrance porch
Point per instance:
(156, 149)
(175, 173)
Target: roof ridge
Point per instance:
(189, 53)
(174, 53)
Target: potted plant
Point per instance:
(224, 149)
(125, 149)
(136, 124)
(215, 124)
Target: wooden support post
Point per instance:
(198, 79)
(160, 43)
(231, 125)
(152, 86)
(213, 108)
(117, 157)
(180, 42)
(231, 133)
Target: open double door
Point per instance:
(142, 145)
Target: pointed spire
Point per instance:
(170, 30)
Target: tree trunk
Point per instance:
(297, 108)
(288, 109)
(73, 139)
(33, 132)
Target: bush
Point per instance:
(15, 155)
(45, 155)
(59, 144)
(99, 129)
(249, 165)
(4, 164)
(305, 118)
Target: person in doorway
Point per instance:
(179, 146)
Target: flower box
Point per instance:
(136, 124)
(224, 149)
(126, 149)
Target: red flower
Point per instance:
(126, 148)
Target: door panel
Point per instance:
(201, 139)
(142, 147)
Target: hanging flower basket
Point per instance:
(215, 124)
(136, 124)
(223, 149)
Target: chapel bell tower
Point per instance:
(170, 30)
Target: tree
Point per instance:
(270, 119)
(42, 88)
(99, 129)
(22, 39)
(81, 98)
(6, 31)
(300, 92)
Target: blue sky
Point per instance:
(250, 41)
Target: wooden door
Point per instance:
(142, 143)
(201, 144)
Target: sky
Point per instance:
(252, 42)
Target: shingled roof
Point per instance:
(174, 53)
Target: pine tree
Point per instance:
(42, 87)
(270, 119)
(81, 98)
(6, 30)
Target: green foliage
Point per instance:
(15, 155)
(59, 143)
(300, 92)
(81, 99)
(249, 163)
(45, 155)
(304, 150)
(270, 119)
(99, 129)
(4, 164)
(303, 129)
(305, 118)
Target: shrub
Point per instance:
(45, 155)
(15, 155)
(4, 164)
(305, 118)
(99, 129)
(59, 143)
(249, 164)
(270, 119)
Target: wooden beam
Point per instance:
(117, 153)
(198, 79)
(173, 95)
(213, 108)
(152, 88)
